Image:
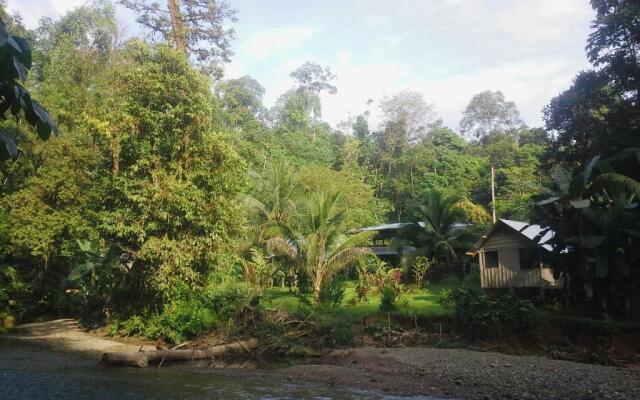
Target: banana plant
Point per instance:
(15, 62)
(594, 215)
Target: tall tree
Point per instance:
(196, 27)
(314, 78)
(614, 43)
(68, 55)
(600, 113)
(242, 99)
(170, 198)
(300, 108)
(486, 118)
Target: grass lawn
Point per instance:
(418, 302)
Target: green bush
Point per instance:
(480, 316)
(446, 297)
(13, 296)
(334, 327)
(388, 298)
(187, 313)
(332, 292)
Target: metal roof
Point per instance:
(398, 225)
(532, 231)
(384, 227)
(529, 231)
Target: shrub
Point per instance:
(332, 292)
(388, 298)
(182, 319)
(421, 265)
(188, 312)
(446, 297)
(13, 296)
(437, 272)
(480, 316)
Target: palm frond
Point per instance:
(346, 256)
(282, 247)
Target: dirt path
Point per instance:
(66, 335)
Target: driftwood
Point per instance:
(144, 358)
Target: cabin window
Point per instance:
(491, 259)
(529, 258)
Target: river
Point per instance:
(34, 373)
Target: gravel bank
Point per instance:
(467, 374)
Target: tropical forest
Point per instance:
(158, 210)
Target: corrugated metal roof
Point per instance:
(398, 225)
(530, 231)
(384, 227)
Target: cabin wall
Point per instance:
(508, 273)
(505, 239)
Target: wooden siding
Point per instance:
(508, 274)
(504, 238)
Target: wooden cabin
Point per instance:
(510, 256)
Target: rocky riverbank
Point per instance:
(465, 374)
(442, 373)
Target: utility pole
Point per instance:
(493, 192)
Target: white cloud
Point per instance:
(530, 84)
(266, 43)
(32, 10)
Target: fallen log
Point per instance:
(145, 358)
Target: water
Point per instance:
(33, 373)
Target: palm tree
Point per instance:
(272, 203)
(434, 231)
(318, 244)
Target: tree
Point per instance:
(13, 22)
(314, 78)
(48, 201)
(599, 113)
(407, 115)
(593, 213)
(358, 203)
(590, 118)
(486, 119)
(318, 244)
(433, 230)
(272, 201)
(489, 113)
(195, 27)
(614, 43)
(68, 54)
(299, 109)
(242, 100)
(170, 197)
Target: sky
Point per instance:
(446, 49)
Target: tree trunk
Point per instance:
(179, 33)
(493, 191)
(317, 284)
(144, 358)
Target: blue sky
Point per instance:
(446, 49)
